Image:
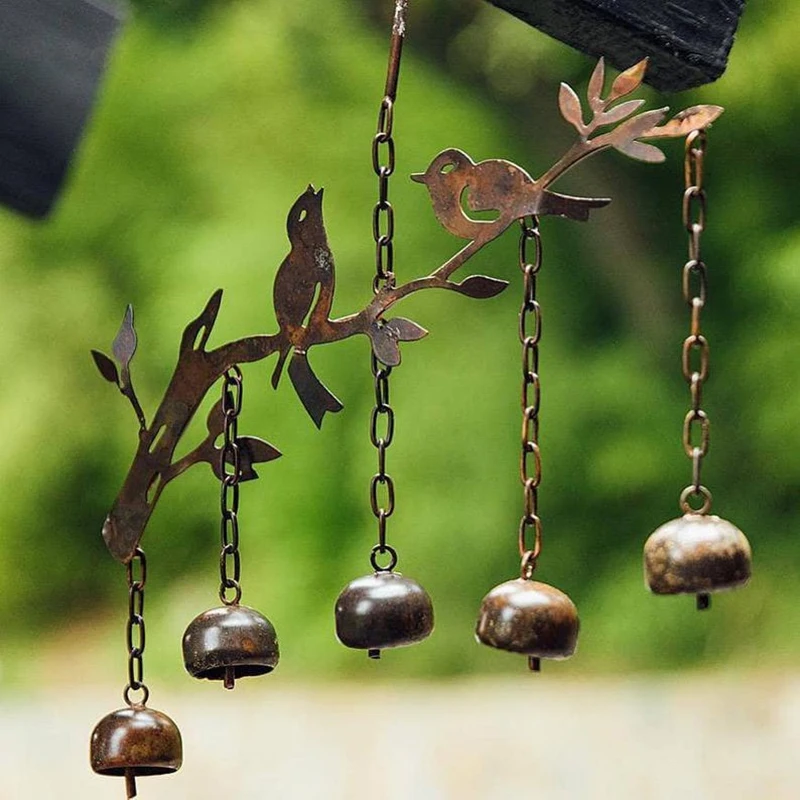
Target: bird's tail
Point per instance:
(276, 375)
(562, 205)
(314, 396)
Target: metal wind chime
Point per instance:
(697, 554)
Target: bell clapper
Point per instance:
(374, 653)
(230, 677)
(534, 664)
(130, 783)
(703, 601)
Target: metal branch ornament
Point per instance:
(455, 183)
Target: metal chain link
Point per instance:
(230, 468)
(136, 572)
(695, 354)
(382, 420)
(530, 333)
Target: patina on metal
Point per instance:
(135, 741)
(528, 617)
(472, 187)
(235, 641)
(384, 610)
(696, 553)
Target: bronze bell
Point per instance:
(528, 617)
(696, 554)
(135, 741)
(383, 610)
(230, 642)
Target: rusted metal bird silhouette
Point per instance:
(454, 181)
(306, 274)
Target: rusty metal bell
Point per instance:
(696, 554)
(383, 610)
(135, 741)
(528, 617)
(230, 642)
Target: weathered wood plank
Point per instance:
(687, 41)
(52, 55)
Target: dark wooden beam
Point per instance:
(52, 55)
(687, 41)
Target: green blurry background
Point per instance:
(213, 118)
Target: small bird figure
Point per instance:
(306, 274)
(454, 180)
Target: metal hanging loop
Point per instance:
(524, 615)
(384, 609)
(230, 565)
(698, 553)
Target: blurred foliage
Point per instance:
(214, 117)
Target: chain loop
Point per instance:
(382, 420)
(695, 351)
(136, 574)
(530, 333)
(230, 469)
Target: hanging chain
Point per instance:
(530, 334)
(696, 425)
(136, 571)
(382, 420)
(230, 468)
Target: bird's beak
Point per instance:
(419, 177)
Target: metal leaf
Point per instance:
(686, 121)
(635, 127)
(629, 80)
(480, 286)
(108, 369)
(570, 106)
(642, 152)
(384, 345)
(595, 90)
(618, 113)
(124, 345)
(257, 449)
(405, 330)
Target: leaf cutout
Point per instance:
(636, 126)
(641, 152)
(570, 106)
(108, 369)
(257, 449)
(618, 113)
(405, 330)
(629, 80)
(384, 345)
(595, 90)
(686, 121)
(124, 345)
(480, 286)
